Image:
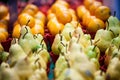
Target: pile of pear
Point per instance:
(28, 58)
(79, 54)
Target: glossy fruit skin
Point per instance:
(3, 11)
(3, 34)
(81, 10)
(16, 31)
(94, 25)
(88, 3)
(63, 15)
(37, 29)
(54, 26)
(103, 13)
(24, 18)
(94, 6)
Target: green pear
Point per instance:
(68, 31)
(116, 41)
(23, 68)
(8, 74)
(39, 74)
(92, 52)
(104, 37)
(70, 74)
(40, 39)
(16, 53)
(113, 70)
(4, 56)
(60, 65)
(99, 75)
(44, 54)
(58, 43)
(27, 41)
(114, 25)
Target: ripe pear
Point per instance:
(23, 68)
(37, 61)
(8, 74)
(104, 40)
(67, 31)
(16, 53)
(113, 70)
(58, 44)
(44, 54)
(4, 65)
(70, 74)
(39, 74)
(60, 65)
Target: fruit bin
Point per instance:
(44, 6)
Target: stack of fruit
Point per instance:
(92, 15)
(35, 18)
(4, 18)
(28, 58)
(58, 15)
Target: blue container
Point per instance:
(114, 5)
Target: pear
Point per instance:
(58, 44)
(40, 39)
(67, 31)
(96, 62)
(104, 40)
(27, 41)
(113, 70)
(23, 68)
(70, 74)
(4, 56)
(92, 52)
(4, 65)
(60, 65)
(116, 41)
(37, 61)
(99, 75)
(114, 25)
(110, 51)
(39, 74)
(44, 54)
(16, 53)
(8, 74)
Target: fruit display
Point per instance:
(60, 40)
(35, 18)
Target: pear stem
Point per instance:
(108, 25)
(94, 47)
(66, 48)
(70, 35)
(78, 38)
(25, 33)
(61, 37)
(91, 41)
(62, 43)
(96, 41)
(112, 32)
(36, 60)
(34, 36)
(119, 48)
(41, 41)
(27, 22)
